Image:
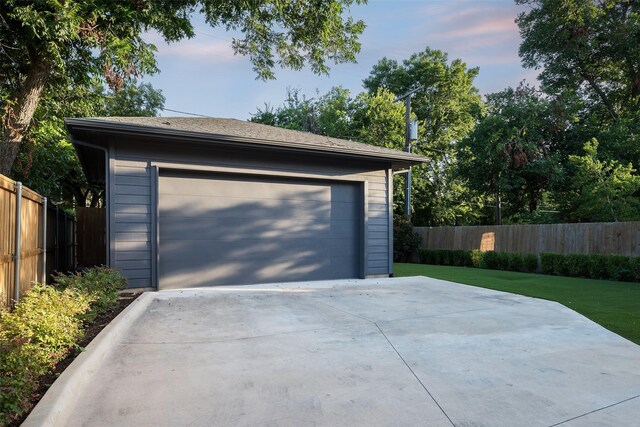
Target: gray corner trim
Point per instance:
(390, 204)
(111, 217)
(155, 232)
(255, 172)
(365, 229)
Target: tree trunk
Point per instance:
(498, 208)
(18, 114)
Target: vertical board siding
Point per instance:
(132, 200)
(621, 238)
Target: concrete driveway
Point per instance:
(409, 351)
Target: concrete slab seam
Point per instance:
(414, 374)
(594, 411)
(58, 401)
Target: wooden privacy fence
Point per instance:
(32, 244)
(92, 235)
(621, 238)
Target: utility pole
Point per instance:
(408, 136)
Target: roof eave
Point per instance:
(398, 161)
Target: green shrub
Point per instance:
(476, 258)
(462, 258)
(405, 240)
(502, 261)
(489, 260)
(634, 265)
(548, 262)
(102, 283)
(40, 331)
(530, 263)
(598, 267)
(577, 265)
(515, 262)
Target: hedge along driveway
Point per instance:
(614, 305)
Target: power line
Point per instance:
(184, 112)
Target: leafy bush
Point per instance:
(598, 267)
(594, 266)
(515, 262)
(405, 240)
(489, 260)
(41, 330)
(476, 258)
(102, 283)
(577, 265)
(45, 324)
(530, 263)
(634, 265)
(548, 262)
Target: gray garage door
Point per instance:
(233, 229)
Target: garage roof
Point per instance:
(236, 132)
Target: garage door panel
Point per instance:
(214, 228)
(256, 190)
(239, 230)
(215, 250)
(187, 206)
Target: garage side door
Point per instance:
(228, 230)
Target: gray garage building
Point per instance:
(202, 202)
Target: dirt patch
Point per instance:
(90, 332)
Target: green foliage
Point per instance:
(51, 46)
(447, 109)
(530, 263)
(102, 283)
(594, 266)
(589, 60)
(44, 326)
(405, 240)
(604, 190)
(476, 258)
(479, 259)
(510, 151)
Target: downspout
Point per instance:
(107, 196)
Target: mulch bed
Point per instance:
(90, 332)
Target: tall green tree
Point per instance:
(510, 156)
(447, 108)
(47, 44)
(590, 59)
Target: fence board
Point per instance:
(589, 238)
(92, 236)
(61, 246)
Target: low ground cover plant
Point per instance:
(606, 267)
(45, 325)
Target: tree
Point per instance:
(585, 46)
(52, 44)
(590, 59)
(47, 162)
(447, 108)
(603, 190)
(510, 155)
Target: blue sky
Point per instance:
(202, 75)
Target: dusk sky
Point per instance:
(203, 76)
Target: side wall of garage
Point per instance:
(133, 164)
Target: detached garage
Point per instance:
(206, 202)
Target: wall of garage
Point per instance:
(132, 163)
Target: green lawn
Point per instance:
(614, 305)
